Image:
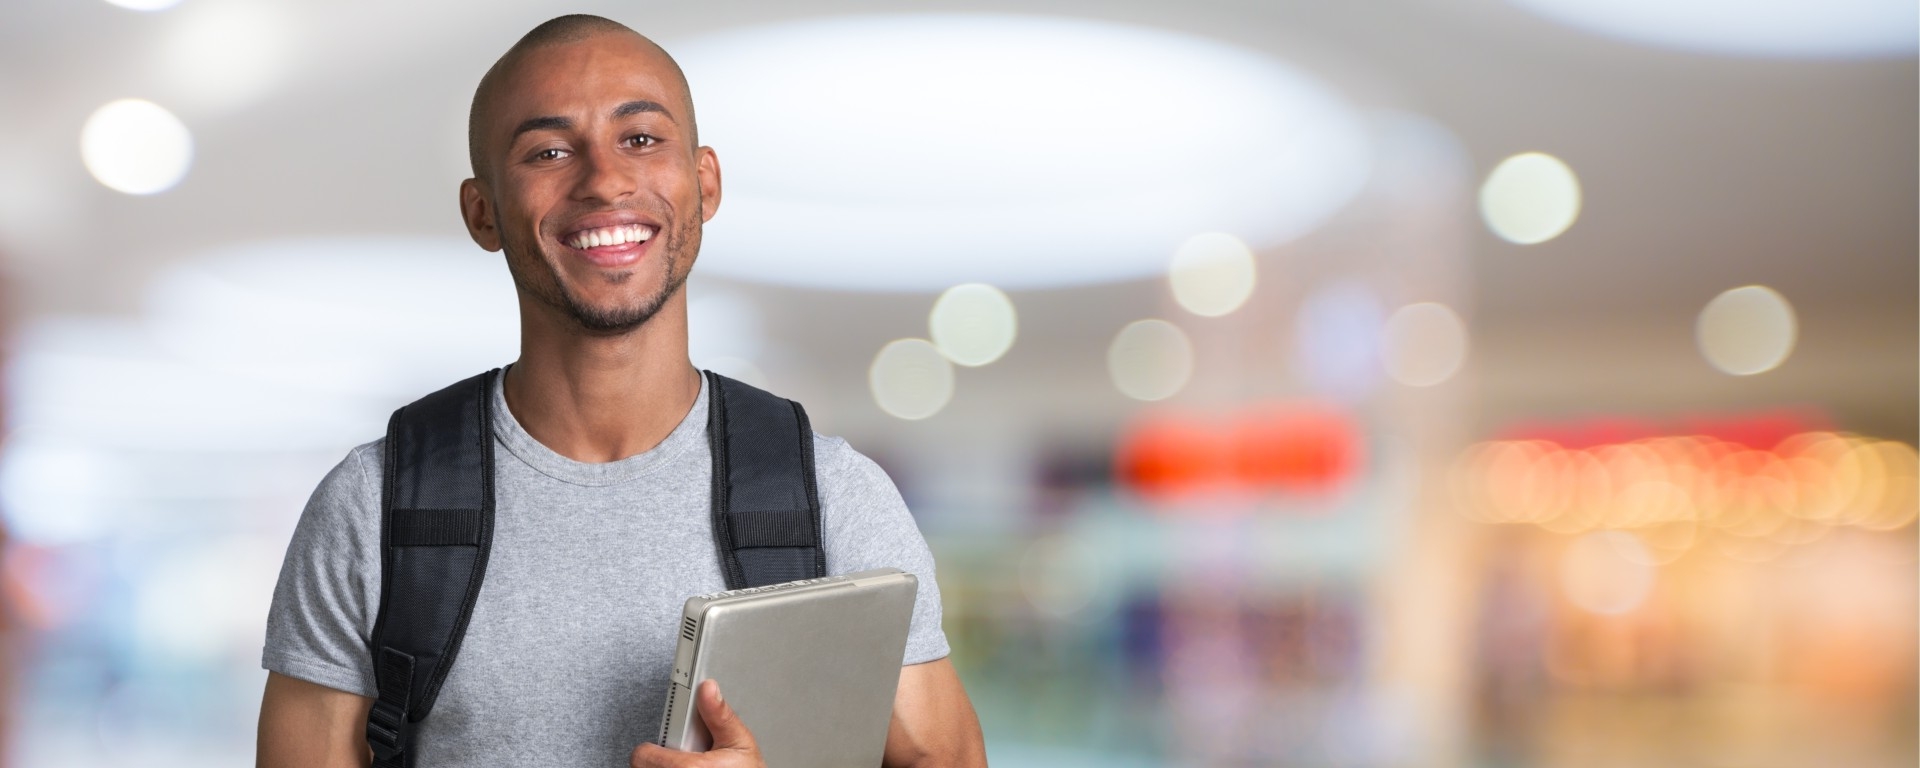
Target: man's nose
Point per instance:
(604, 177)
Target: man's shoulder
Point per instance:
(834, 457)
(352, 481)
(850, 481)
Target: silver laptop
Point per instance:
(810, 666)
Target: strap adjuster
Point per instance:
(386, 730)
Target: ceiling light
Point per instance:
(1150, 359)
(917, 152)
(1424, 344)
(1530, 198)
(136, 146)
(973, 324)
(910, 379)
(1746, 330)
(1212, 274)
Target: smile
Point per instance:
(601, 237)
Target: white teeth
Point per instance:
(594, 238)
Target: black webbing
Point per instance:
(436, 527)
(766, 511)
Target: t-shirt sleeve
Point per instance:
(324, 604)
(867, 526)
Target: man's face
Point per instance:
(595, 189)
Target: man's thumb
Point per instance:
(722, 724)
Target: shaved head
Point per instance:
(557, 31)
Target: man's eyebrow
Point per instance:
(540, 124)
(632, 108)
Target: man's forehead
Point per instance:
(595, 75)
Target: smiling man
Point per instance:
(589, 177)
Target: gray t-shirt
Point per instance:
(566, 658)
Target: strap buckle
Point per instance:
(387, 731)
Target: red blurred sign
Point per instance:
(1292, 449)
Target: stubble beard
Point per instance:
(620, 320)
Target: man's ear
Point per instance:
(708, 171)
(476, 209)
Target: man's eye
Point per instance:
(549, 154)
(642, 140)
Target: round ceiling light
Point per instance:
(917, 152)
(1530, 198)
(136, 146)
(1746, 330)
(1830, 28)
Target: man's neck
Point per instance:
(601, 398)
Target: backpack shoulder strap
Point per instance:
(766, 511)
(436, 525)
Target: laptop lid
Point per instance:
(809, 666)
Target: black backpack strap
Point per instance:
(435, 528)
(766, 511)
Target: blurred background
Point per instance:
(1394, 383)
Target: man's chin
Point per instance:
(614, 316)
(611, 321)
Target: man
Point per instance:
(588, 174)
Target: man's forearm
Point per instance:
(303, 725)
(934, 725)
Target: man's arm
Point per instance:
(305, 725)
(933, 721)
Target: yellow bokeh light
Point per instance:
(1212, 274)
(1424, 344)
(1746, 330)
(910, 379)
(1530, 198)
(973, 324)
(1150, 360)
(1676, 493)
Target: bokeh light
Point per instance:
(136, 146)
(1530, 198)
(1678, 492)
(1606, 572)
(1424, 344)
(1746, 330)
(973, 324)
(910, 379)
(1212, 274)
(1150, 359)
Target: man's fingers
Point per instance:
(652, 755)
(725, 727)
(733, 745)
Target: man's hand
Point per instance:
(733, 745)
